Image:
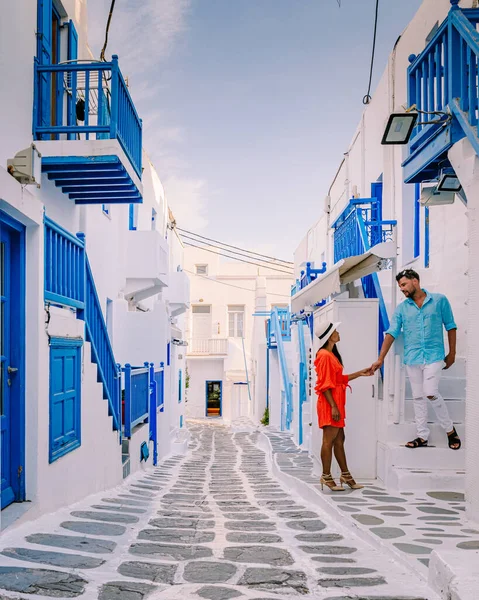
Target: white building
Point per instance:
(379, 217)
(223, 368)
(78, 309)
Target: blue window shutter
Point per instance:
(72, 41)
(65, 395)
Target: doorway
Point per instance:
(214, 400)
(12, 372)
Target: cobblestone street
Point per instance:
(214, 524)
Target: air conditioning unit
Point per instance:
(26, 167)
(430, 196)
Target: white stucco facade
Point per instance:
(131, 254)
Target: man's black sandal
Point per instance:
(453, 439)
(417, 443)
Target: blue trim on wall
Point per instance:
(426, 237)
(180, 386)
(69, 420)
(417, 220)
(131, 218)
(168, 354)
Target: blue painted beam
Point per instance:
(76, 189)
(103, 195)
(137, 200)
(94, 176)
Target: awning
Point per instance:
(344, 271)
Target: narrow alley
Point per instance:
(213, 524)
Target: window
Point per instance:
(236, 321)
(65, 396)
(201, 269)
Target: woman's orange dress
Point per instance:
(329, 373)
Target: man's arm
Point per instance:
(388, 342)
(451, 357)
(451, 328)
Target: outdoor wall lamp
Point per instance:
(399, 128)
(449, 181)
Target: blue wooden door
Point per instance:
(11, 363)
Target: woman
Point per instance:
(331, 387)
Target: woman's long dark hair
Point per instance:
(335, 351)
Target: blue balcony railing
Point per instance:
(307, 277)
(64, 266)
(357, 230)
(88, 101)
(442, 79)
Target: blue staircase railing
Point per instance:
(303, 378)
(64, 266)
(91, 101)
(68, 281)
(356, 231)
(102, 352)
(280, 319)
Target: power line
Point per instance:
(238, 259)
(367, 97)
(238, 287)
(110, 14)
(233, 252)
(287, 262)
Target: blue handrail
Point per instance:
(303, 378)
(97, 335)
(64, 266)
(91, 101)
(287, 385)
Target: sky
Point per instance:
(248, 105)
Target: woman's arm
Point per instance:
(362, 373)
(334, 409)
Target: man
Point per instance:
(421, 318)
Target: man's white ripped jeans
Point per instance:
(424, 381)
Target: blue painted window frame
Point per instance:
(220, 381)
(180, 385)
(62, 347)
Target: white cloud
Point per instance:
(187, 200)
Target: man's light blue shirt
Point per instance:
(423, 328)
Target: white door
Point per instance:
(201, 322)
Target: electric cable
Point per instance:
(110, 14)
(268, 262)
(367, 97)
(238, 287)
(235, 247)
(238, 259)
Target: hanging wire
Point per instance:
(235, 247)
(367, 97)
(110, 14)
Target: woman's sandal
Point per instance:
(453, 439)
(348, 479)
(417, 443)
(328, 481)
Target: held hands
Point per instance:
(375, 366)
(366, 372)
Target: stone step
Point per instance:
(405, 479)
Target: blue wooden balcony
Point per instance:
(443, 85)
(88, 131)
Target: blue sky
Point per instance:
(248, 105)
